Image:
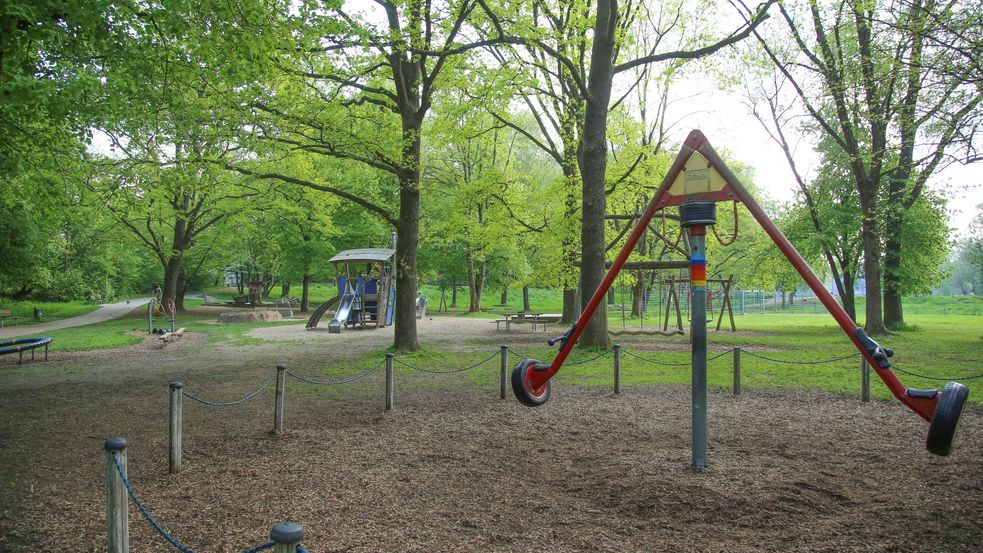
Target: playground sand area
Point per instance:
(454, 468)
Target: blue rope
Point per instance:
(333, 382)
(512, 351)
(752, 354)
(647, 360)
(916, 375)
(301, 550)
(585, 361)
(719, 355)
(468, 368)
(231, 403)
(160, 530)
(143, 510)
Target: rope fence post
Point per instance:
(864, 380)
(389, 382)
(117, 516)
(505, 368)
(286, 536)
(175, 436)
(617, 368)
(281, 379)
(737, 371)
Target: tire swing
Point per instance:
(942, 429)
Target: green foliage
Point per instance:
(924, 246)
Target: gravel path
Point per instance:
(454, 468)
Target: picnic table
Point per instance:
(521, 317)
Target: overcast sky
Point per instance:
(728, 125)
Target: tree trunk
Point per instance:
(305, 304)
(408, 232)
(525, 299)
(172, 272)
(893, 223)
(454, 293)
(482, 279)
(847, 296)
(505, 295)
(474, 290)
(182, 286)
(285, 290)
(593, 164)
(874, 324)
(571, 308)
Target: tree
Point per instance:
(867, 73)
(971, 253)
(475, 195)
(609, 31)
(353, 89)
(829, 202)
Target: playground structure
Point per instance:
(20, 345)
(164, 312)
(365, 300)
(695, 182)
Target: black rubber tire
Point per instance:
(942, 429)
(520, 386)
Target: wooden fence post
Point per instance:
(737, 371)
(389, 382)
(281, 376)
(864, 380)
(286, 537)
(117, 501)
(175, 436)
(617, 368)
(504, 371)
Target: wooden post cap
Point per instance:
(115, 444)
(177, 385)
(281, 366)
(287, 532)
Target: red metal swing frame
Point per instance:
(536, 380)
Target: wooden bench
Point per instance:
(6, 314)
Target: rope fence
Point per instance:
(390, 361)
(233, 403)
(284, 537)
(926, 377)
(449, 371)
(793, 362)
(355, 378)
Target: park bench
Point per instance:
(6, 314)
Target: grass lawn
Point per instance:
(120, 332)
(50, 311)
(933, 345)
(938, 346)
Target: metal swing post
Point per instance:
(694, 218)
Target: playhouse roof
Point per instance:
(364, 255)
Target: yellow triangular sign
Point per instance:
(698, 176)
